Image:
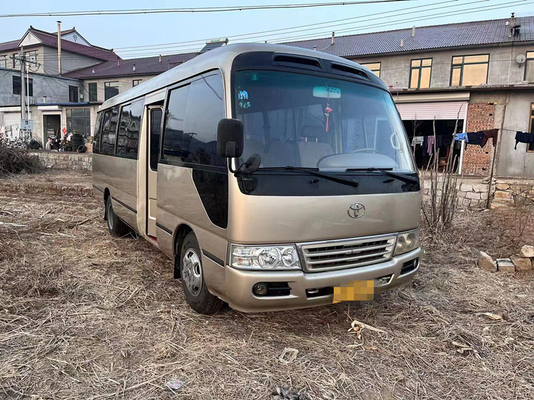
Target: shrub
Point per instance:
(15, 158)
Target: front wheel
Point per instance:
(196, 293)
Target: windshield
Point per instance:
(308, 121)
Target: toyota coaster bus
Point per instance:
(269, 174)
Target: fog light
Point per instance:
(384, 280)
(260, 289)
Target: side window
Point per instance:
(98, 133)
(205, 109)
(129, 127)
(155, 133)
(109, 131)
(174, 124)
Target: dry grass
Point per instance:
(87, 316)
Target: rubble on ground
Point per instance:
(522, 262)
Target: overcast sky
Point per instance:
(139, 30)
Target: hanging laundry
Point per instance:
(430, 145)
(475, 137)
(523, 137)
(418, 140)
(461, 136)
(490, 134)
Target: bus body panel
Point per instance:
(179, 203)
(119, 176)
(315, 218)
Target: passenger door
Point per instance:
(155, 114)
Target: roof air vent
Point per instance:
(297, 61)
(349, 71)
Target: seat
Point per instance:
(279, 154)
(311, 150)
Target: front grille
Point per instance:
(350, 253)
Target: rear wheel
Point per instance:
(192, 274)
(115, 226)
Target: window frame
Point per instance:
(74, 90)
(461, 67)
(115, 154)
(177, 85)
(98, 131)
(4, 60)
(149, 125)
(108, 85)
(530, 146)
(95, 85)
(365, 64)
(526, 64)
(30, 85)
(110, 110)
(420, 68)
(139, 81)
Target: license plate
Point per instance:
(355, 291)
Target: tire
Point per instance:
(191, 271)
(115, 226)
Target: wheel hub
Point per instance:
(192, 272)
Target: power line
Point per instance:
(196, 10)
(190, 47)
(261, 33)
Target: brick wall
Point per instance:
(477, 160)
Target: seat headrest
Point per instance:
(313, 131)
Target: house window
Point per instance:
(3, 61)
(16, 61)
(17, 87)
(93, 94)
(529, 67)
(530, 146)
(31, 55)
(374, 67)
(469, 70)
(79, 121)
(420, 72)
(73, 94)
(111, 89)
(136, 82)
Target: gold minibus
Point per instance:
(271, 175)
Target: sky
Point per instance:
(126, 33)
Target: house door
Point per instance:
(155, 114)
(52, 124)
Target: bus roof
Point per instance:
(222, 58)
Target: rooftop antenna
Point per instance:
(333, 38)
(413, 31)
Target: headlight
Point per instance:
(264, 257)
(407, 241)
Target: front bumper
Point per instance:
(239, 284)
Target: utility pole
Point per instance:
(22, 88)
(59, 47)
(26, 125)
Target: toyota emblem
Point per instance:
(356, 210)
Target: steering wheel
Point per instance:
(364, 149)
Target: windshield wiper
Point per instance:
(386, 171)
(312, 171)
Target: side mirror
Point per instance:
(230, 138)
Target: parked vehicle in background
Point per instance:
(269, 174)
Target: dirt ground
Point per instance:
(87, 316)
